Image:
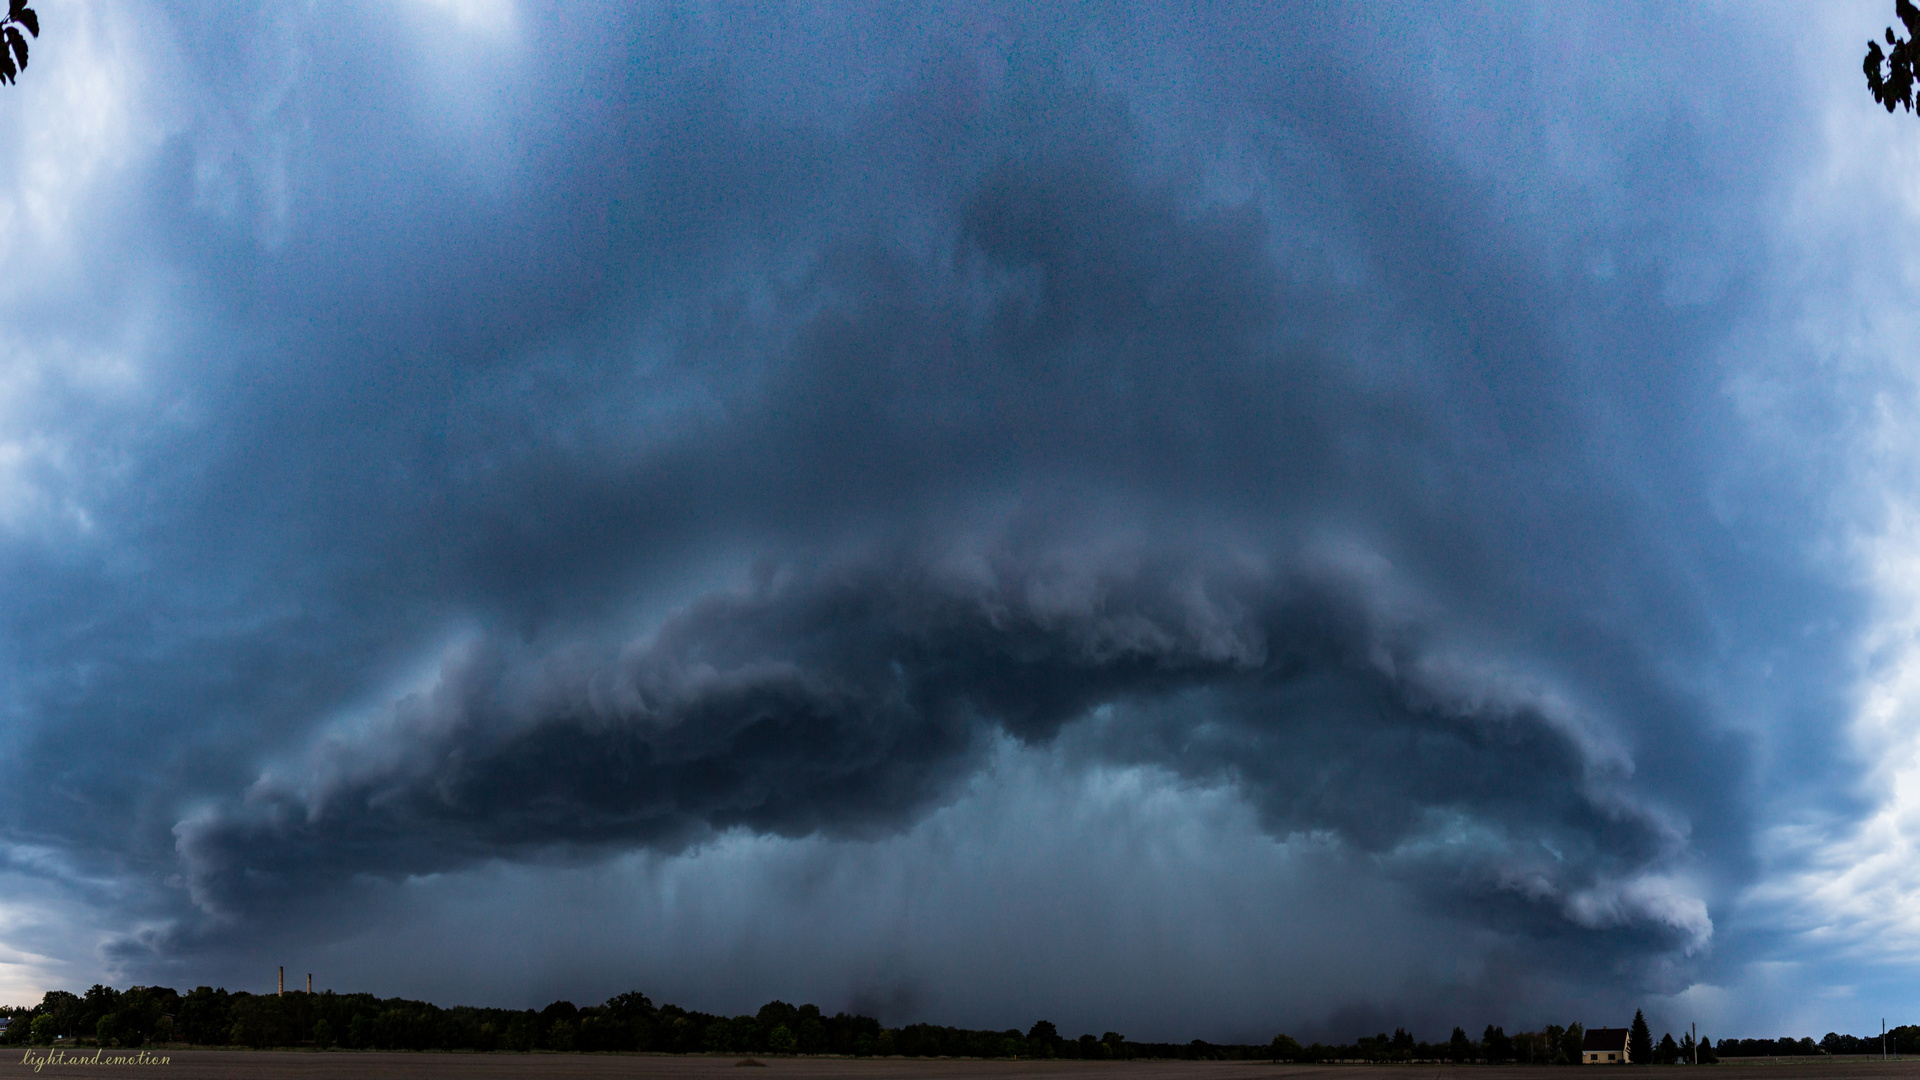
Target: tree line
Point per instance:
(1900, 1040)
(204, 1016)
(1555, 1045)
(1551, 1045)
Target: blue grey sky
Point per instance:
(1189, 520)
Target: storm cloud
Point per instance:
(850, 705)
(605, 445)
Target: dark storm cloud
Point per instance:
(1274, 430)
(849, 702)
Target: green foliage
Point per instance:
(1537, 1047)
(67, 1013)
(559, 1020)
(322, 1034)
(811, 1032)
(781, 1041)
(1570, 1042)
(396, 1029)
(1552, 1047)
(1283, 1048)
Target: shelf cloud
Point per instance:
(1411, 480)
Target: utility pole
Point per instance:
(1696, 1044)
(1883, 1038)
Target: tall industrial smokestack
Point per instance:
(309, 982)
(283, 980)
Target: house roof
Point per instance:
(1605, 1039)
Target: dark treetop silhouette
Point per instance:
(1894, 85)
(13, 47)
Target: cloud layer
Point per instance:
(850, 702)
(573, 444)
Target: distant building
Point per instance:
(1604, 1046)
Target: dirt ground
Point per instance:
(278, 1065)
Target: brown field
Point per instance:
(295, 1065)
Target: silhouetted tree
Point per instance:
(1639, 1040)
(1460, 1048)
(1890, 74)
(1041, 1039)
(775, 1013)
(1554, 1052)
(1571, 1041)
(1668, 1052)
(13, 47)
(811, 1033)
(1495, 1044)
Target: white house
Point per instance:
(1605, 1046)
